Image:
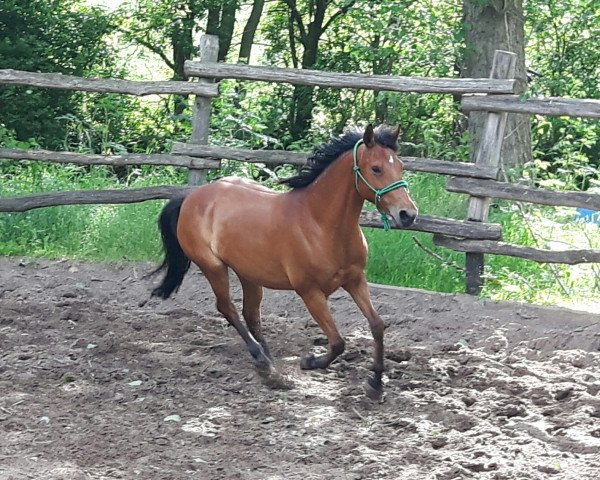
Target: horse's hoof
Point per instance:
(264, 363)
(309, 362)
(374, 390)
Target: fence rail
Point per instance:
(534, 106)
(317, 78)
(104, 85)
(473, 236)
(88, 197)
(522, 193)
(280, 157)
(428, 224)
(197, 156)
(114, 160)
(569, 257)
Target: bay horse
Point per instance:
(307, 239)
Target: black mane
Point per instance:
(324, 155)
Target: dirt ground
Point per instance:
(97, 381)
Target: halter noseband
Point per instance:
(378, 193)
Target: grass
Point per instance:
(100, 232)
(396, 259)
(128, 232)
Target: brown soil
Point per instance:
(97, 381)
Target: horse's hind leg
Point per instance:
(218, 277)
(253, 295)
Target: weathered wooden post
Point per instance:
(488, 156)
(209, 50)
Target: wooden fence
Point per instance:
(474, 235)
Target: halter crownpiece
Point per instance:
(378, 193)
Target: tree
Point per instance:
(250, 31)
(497, 25)
(308, 23)
(566, 60)
(221, 22)
(166, 28)
(62, 36)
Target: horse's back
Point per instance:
(245, 183)
(229, 196)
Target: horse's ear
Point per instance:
(369, 136)
(396, 133)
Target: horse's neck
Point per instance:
(333, 198)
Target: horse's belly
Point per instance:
(275, 280)
(256, 260)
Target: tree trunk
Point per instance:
(226, 28)
(302, 100)
(213, 21)
(496, 25)
(380, 66)
(303, 95)
(221, 22)
(182, 44)
(250, 31)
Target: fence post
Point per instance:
(488, 155)
(209, 50)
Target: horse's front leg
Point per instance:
(316, 303)
(359, 290)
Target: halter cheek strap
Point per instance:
(378, 193)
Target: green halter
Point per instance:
(378, 193)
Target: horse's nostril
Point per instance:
(406, 219)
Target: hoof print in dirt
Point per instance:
(399, 355)
(548, 469)
(438, 442)
(563, 394)
(275, 380)
(510, 411)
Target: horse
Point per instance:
(307, 239)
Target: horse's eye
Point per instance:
(376, 170)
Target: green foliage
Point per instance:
(165, 27)
(62, 36)
(395, 258)
(566, 60)
(511, 278)
(400, 37)
(403, 258)
(396, 37)
(87, 231)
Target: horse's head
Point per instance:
(379, 173)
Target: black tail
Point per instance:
(175, 262)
